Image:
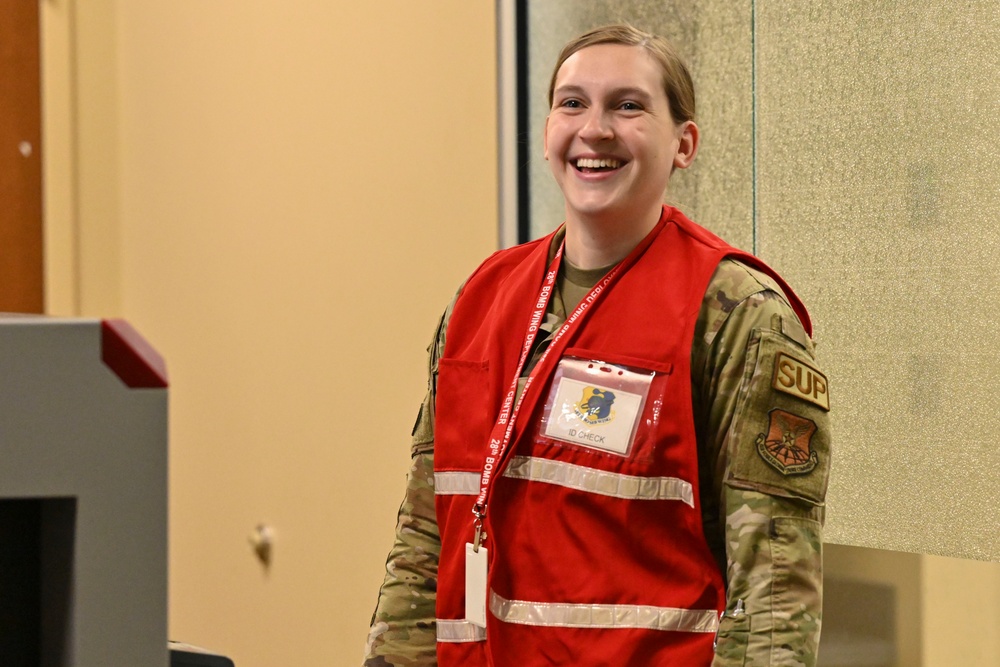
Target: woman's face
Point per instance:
(609, 137)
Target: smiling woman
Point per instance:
(594, 478)
(612, 144)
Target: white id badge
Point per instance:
(595, 404)
(475, 585)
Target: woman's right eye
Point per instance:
(571, 104)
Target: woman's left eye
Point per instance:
(629, 106)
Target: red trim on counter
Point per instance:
(126, 352)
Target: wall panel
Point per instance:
(878, 180)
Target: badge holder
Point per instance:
(595, 405)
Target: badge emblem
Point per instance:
(787, 447)
(596, 406)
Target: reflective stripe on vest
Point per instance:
(600, 616)
(456, 483)
(569, 475)
(454, 632)
(594, 616)
(591, 480)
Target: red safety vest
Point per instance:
(594, 558)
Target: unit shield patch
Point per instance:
(787, 446)
(782, 445)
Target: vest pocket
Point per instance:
(462, 416)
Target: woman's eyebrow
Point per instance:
(569, 90)
(630, 92)
(615, 93)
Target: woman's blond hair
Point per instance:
(677, 83)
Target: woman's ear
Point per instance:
(688, 136)
(545, 139)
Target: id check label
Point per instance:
(591, 415)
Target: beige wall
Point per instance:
(281, 197)
(257, 186)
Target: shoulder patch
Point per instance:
(797, 378)
(779, 441)
(787, 445)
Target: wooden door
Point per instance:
(21, 268)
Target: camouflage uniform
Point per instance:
(764, 454)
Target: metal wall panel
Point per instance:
(877, 183)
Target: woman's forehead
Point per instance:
(610, 65)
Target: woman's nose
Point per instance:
(596, 127)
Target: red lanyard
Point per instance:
(503, 430)
(504, 426)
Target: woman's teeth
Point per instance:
(587, 163)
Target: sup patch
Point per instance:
(801, 380)
(787, 446)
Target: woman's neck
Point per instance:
(594, 243)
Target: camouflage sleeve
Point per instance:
(402, 632)
(402, 627)
(763, 408)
